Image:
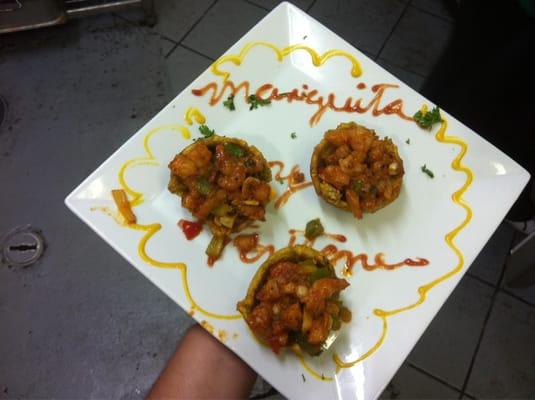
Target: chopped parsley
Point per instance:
(205, 131)
(234, 150)
(357, 186)
(303, 376)
(293, 135)
(256, 101)
(427, 171)
(408, 141)
(229, 103)
(428, 119)
(281, 182)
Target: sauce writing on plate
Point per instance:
(248, 243)
(310, 96)
(310, 242)
(335, 255)
(296, 181)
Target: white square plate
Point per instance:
(446, 220)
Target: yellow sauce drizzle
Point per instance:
(193, 113)
(450, 236)
(208, 326)
(186, 134)
(150, 230)
(280, 53)
(149, 159)
(222, 335)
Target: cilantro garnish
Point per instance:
(427, 171)
(428, 119)
(229, 103)
(293, 135)
(256, 101)
(234, 150)
(205, 131)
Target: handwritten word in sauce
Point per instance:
(296, 181)
(335, 255)
(308, 242)
(310, 96)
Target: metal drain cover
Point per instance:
(22, 247)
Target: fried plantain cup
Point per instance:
(223, 182)
(293, 301)
(354, 170)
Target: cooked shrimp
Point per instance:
(320, 291)
(200, 155)
(183, 166)
(232, 178)
(334, 175)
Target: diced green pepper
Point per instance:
(336, 323)
(222, 210)
(204, 186)
(314, 229)
(319, 274)
(264, 175)
(215, 247)
(234, 150)
(227, 220)
(308, 267)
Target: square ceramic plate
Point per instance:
(445, 220)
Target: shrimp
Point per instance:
(319, 330)
(233, 178)
(254, 188)
(183, 166)
(200, 155)
(322, 290)
(334, 175)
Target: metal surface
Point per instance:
(31, 14)
(76, 9)
(24, 15)
(22, 247)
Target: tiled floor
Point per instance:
(82, 314)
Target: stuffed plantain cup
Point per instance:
(352, 169)
(223, 182)
(293, 301)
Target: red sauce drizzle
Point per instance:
(333, 236)
(260, 251)
(323, 103)
(334, 255)
(191, 229)
(295, 180)
(251, 245)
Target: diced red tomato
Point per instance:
(191, 229)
